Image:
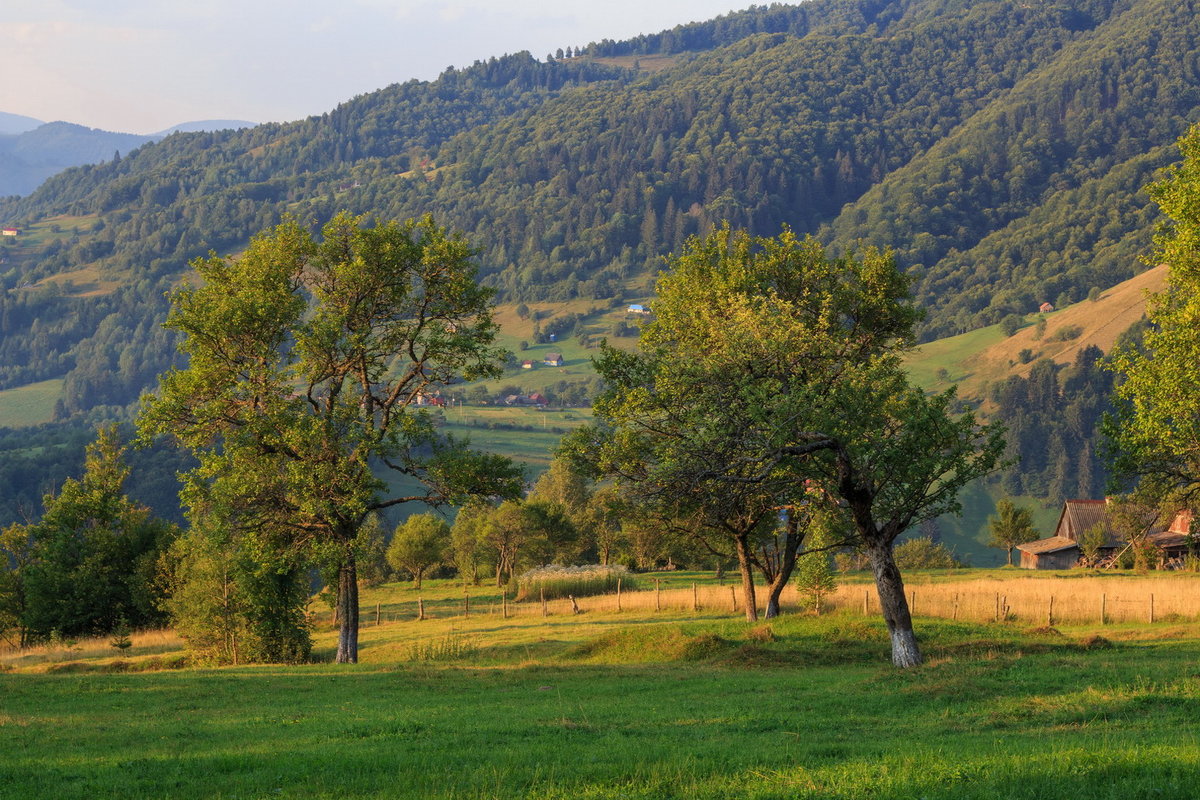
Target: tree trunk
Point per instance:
(748, 597)
(347, 611)
(890, 587)
(787, 565)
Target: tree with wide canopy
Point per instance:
(770, 378)
(306, 363)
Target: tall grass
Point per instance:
(557, 582)
(1078, 598)
(144, 643)
(1072, 598)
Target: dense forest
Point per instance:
(1000, 148)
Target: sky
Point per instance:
(140, 66)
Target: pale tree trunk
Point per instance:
(347, 611)
(748, 597)
(890, 587)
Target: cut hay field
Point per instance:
(639, 703)
(29, 405)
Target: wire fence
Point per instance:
(1042, 601)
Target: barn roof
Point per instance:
(1051, 545)
(1080, 515)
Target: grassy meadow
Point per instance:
(657, 700)
(29, 405)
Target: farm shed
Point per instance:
(1061, 551)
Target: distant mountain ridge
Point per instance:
(31, 151)
(17, 123)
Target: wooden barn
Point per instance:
(1061, 551)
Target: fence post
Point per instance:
(733, 597)
(1151, 609)
(695, 598)
(866, 601)
(618, 594)
(955, 616)
(466, 602)
(657, 595)
(504, 603)
(997, 606)
(1103, 610)
(377, 615)
(912, 602)
(420, 608)
(1050, 613)
(542, 592)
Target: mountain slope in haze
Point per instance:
(32, 151)
(34, 155)
(204, 125)
(11, 124)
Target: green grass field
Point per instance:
(627, 705)
(29, 405)
(524, 434)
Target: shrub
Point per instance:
(922, 553)
(1067, 333)
(1011, 324)
(582, 581)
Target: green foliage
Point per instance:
(923, 553)
(1067, 333)
(121, 634)
(1053, 419)
(1091, 541)
(1156, 424)
(771, 373)
(234, 601)
(92, 562)
(304, 358)
(1012, 526)
(370, 552)
(814, 576)
(1012, 323)
(418, 545)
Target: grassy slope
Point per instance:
(637, 705)
(29, 405)
(974, 359)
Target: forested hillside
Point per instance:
(1001, 148)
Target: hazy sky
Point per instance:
(139, 66)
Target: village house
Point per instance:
(1045, 308)
(9, 231)
(554, 360)
(1062, 550)
(526, 364)
(638, 308)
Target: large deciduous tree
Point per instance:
(1155, 429)
(771, 373)
(305, 361)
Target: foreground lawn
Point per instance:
(630, 706)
